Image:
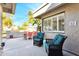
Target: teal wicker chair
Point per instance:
(38, 39)
(54, 46)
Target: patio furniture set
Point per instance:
(53, 46)
(29, 35)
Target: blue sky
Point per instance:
(21, 12)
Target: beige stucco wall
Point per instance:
(71, 26)
(0, 23)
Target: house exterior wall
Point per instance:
(71, 26)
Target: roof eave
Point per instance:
(52, 8)
(9, 10)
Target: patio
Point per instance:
(21, 47)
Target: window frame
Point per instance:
(57, 16)
(62, 14)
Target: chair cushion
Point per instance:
(37, 39)
(58, 39)
(46, 46)
(40, 35)
(47, 43)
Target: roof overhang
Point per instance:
(8, 7)
(46, 8)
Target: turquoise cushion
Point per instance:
(40, 35)
(46, 46)
(44, 42)
(58, 39)
(37, 39)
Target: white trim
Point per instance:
(57, 23)
(43, 5)
(46, 8)
(56, 31)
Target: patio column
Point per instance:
(0, 25)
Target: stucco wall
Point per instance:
(71, 26)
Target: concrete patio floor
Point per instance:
(21, 47)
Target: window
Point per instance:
(44, 25)
(54, 23)
(61, 22)
(47, 24)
